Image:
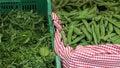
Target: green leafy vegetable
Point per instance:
(25, 41)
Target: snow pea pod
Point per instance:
(97, 31)
(106, 23)
(114, 22)
(70, 32)
(94, 35)
(117, 16)
(114, 38)
(74, 36)
(87, 25)
(110, 26)
(117, 30)
(64, 37)
(109, 36)
(77, 31)
(87, 34)
(77, 39)
(1, 35)
(102, 29)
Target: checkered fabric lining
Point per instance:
(91, 56)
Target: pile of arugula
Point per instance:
(25, 41)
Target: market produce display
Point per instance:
(25, 41)
(94, 23)
(89, 22)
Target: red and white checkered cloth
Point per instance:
(92, 56)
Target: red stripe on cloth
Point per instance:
(57, 25)
(79, 60)
(56, 48)
(57, 44)
(61, 46)
(113, 49)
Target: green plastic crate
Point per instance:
(41, 6)
(36, 5)
(58, 63)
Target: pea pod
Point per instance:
(63, 22)
(84, 43)
(93, 23)
(84, 7)
(73, 1)
(84, 15)
(53, 6)
(87, 25)
(59, 15)
(64, 38)
(108, 36)
(83, 40)
(1, 35)
(77, 39)
(117, 41)
(97, 18)
(66, 28)
(106, 23)
(74, 36)
(87, 34)
(114, 38)
(102, 29)
(117, 30)
(65, 2)
(69, 8)
(78, 25)
(97, 31)
(110, 26)
(77, 31)
(60, 3)
(62, 13)
(73, 13)
(94, 35)
(93, 10)
(108, 4)
(114, 22)
(117, 16)
(68, 19)
(92, 43)
(70, 32)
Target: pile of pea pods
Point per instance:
(90, 22)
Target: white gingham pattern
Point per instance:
(91, 56)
